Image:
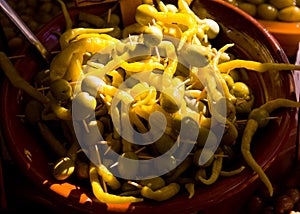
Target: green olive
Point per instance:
(207, 154)
(114, 143)
(154, 183)
(169, 103)
(280, 4)
(172, 8)
(233, 2)
(289, 14)
(176, 122)
(61, 90)
(191, 128)
(244, 106)
(63, 168)
(94, 134)
(214, 28)
(229, 153)
(230, 134)
(257, 2)
(15, 43)
(42, 78)
(117, 32)
(235, 74)
(9, 32)
(248, 8)
(82, 170)
(32, 3)
(182, 70)
(260, 116)
(152, 36)
(33, 110)
(126, 166)
(240, 90)
(46, 7)
(145, 14)
(126, 187)
(167, 163)
(205, 122)
(163, 144)
(91, 85)
(267, 12)
(228, 105)
(202, 138)
(114, 19)
(195, 55)
(83, 106)
(33, 25)
(92, 19)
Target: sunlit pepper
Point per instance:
(146, 14)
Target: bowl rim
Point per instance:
(287, 28)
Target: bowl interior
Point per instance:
(251, 42)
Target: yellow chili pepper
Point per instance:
(161, 6)
(105, 197)
(59, 111)
(71, 34)
(141, 66)
(172, 30)
(108, 177)
(146, 14)
(61, 61)
(261, 67)
(161, 194)
(168, 50)
(74, 69)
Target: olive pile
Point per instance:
(35, 13)
(273, 10)
(286, 197)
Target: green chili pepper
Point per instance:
(108, 177)
(17, 81)
(232, 172)
(161, 194)
(216, 169)
(249, 131)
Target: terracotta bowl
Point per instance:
(227, 195)
(287, 34)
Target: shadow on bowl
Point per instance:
(227, 195)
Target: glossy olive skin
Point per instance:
(61, 90)
(272, 10)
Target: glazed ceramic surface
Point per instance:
(287, 34)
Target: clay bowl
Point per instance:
(287, 34)
(227, 195)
